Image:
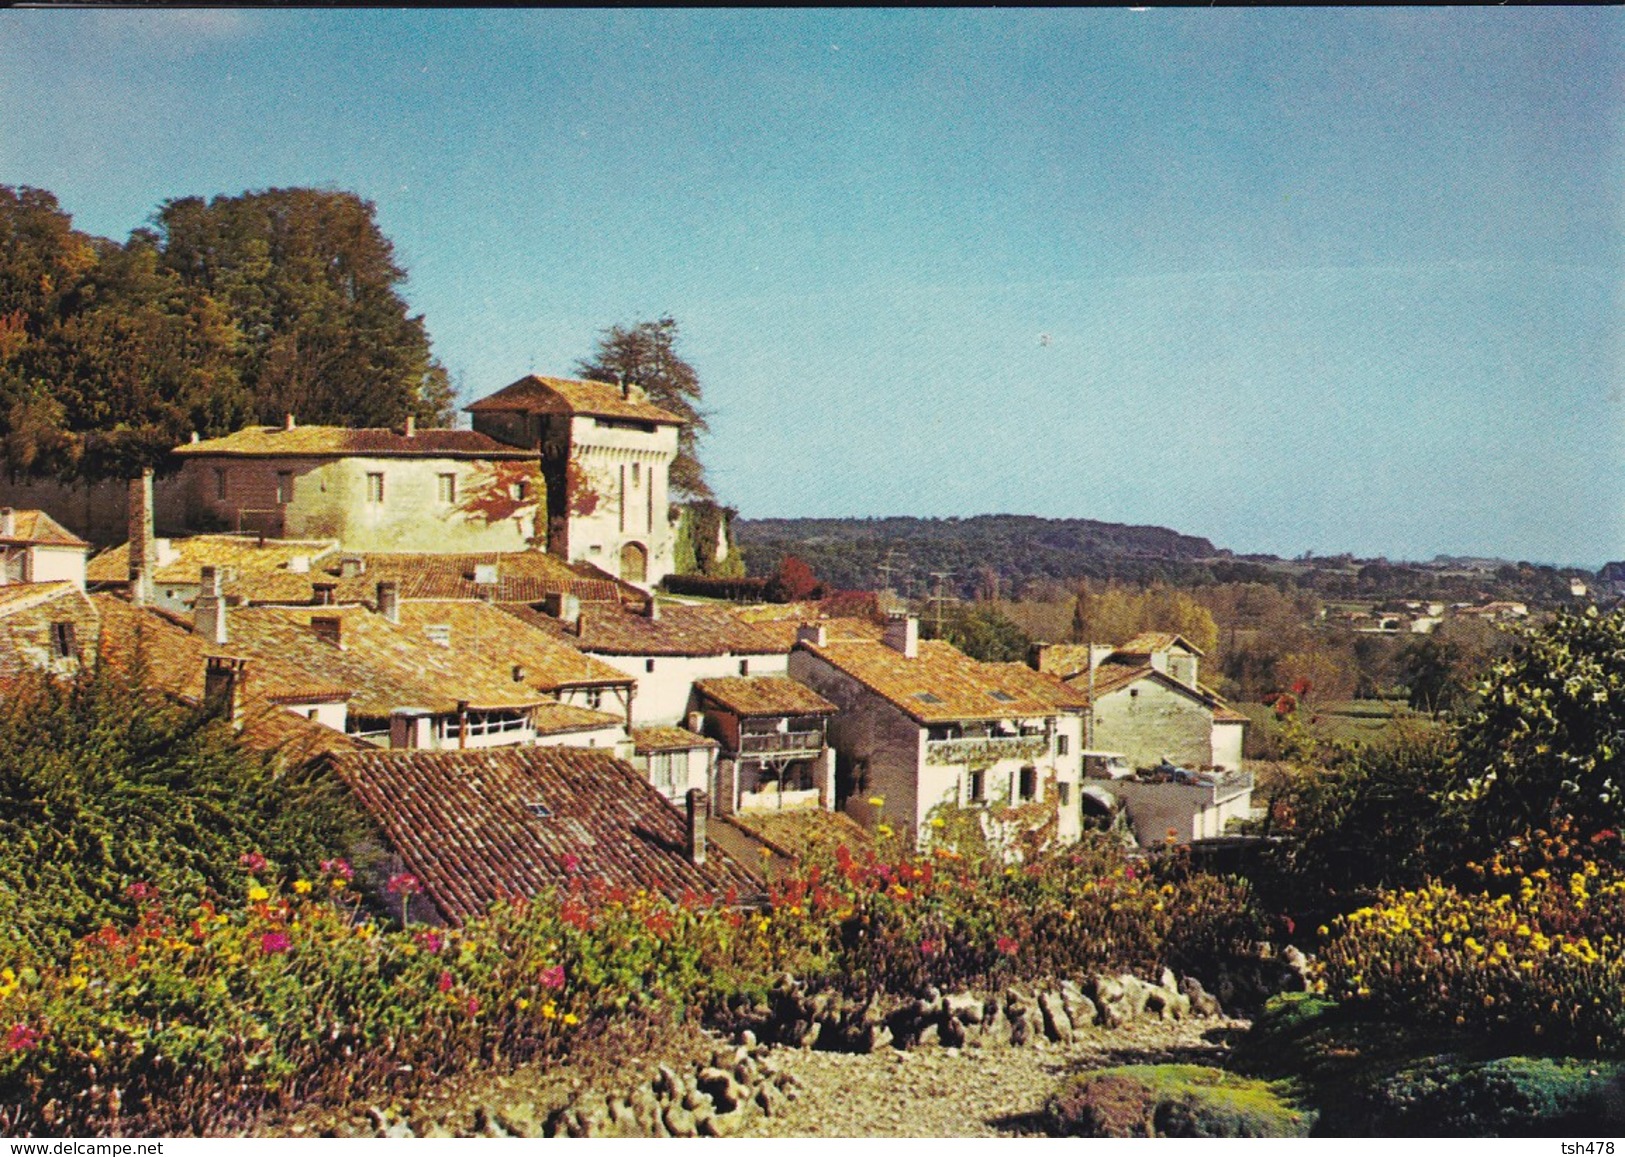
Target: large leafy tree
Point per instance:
(645, 355)
(312, 285)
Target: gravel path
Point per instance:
(970, 1092)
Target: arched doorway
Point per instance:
(634, 563)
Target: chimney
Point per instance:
(329, 629)
(223, 679)
(288, 423)
(651, 610)
(409, 728)
(142, 550)
(352, 566)
(626, 390)
(518, 673)
(195, 438)
(564, 607)
(696, 826)
(209, 611)
(8, 522)
(903, 635)
(812, 633)
(389, 601)
(1099, 653)
(411, 426)
(323, 594)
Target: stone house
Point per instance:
(773, 736)
(676, 761)
(371, 489)
(34, 548)
(250, 568)
(920, 724)
(479, 826)
(605, 452)
(1145, 699)
(46, 626)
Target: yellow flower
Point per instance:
(571, 1018)
(884, 830)
(761, 924)
(77, 981)
(257, 893)
(938, 822)
(549, 1011)
(521, 1004)
(877, 801)
(302, 887)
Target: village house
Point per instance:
(474, 827)
(605, 453)
(773, 736)
(921, 725)
(34, 548)
(675, 761)
(46, 626)
(1145, 700)
(371, 489)
(250, 568)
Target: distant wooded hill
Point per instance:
(852, 552)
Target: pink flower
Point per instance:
(141, 890)
(273, 942)
(340, 868)
(403, 884)
(928, 947)
(21, 1037)
(253, 861)
(473, 1006)
(571, 862)
(1007, 945)
(444, 983)
(429, 940)
(553, 977)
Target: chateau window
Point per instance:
(220, 483)
(976, 789)
(375, 489)
(446, 488)
(1027, 788)
(1061, 744)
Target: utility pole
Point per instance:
(938, 598)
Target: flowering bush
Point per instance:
(1530, 957)
(196, 1016)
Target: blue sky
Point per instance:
(1332, 280)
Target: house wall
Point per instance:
(879, 747)
(26, 634)
(330, 500)
(626, 510)
(333, 715)
(693, 770)
(1189, 811)
(661, 697)
(49, 564)
(1147, 720)
(1227, 739)
(606, 737)
(97, 512)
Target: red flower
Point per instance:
(552, 977)
(340, 868)
(1006, 945)
(1302, 687)
(403, 884)
(253, 861)
(141, 890)
(273, 942)
(571, 862)
(21, 1037)
(928, 947)
(444, 983)
(429, 940)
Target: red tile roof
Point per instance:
(567, 718)
(647, 739)
(468, 824)
(680, 630)
(345, 441)
(538, 395)
(481, 635)
(1149, 642)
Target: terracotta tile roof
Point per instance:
(564, 718)
(1022, 680)
(345, 441)
(467, 824)
(384, 666)
(680, 630)
(940, 686)
(247, 562)
(1148, 642)
(803, 832)
(538, 395)
(781, 633)
(1063, 659)
(16, 597)
(481, 635)
(174, 654)
(647, 739)
(36, 528)
(756, 695)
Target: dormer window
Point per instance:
(539, 809)
(926, 697)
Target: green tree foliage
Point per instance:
(645, 355)
(981, 632)
(104, 786)
(234, 311)
(1441, 670)
(1548, 738)
(1118, 613)
(311, 283)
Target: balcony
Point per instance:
(781, 743)
(986, 751)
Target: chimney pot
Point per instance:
(330, 629)
(8, 521)
(288, 422)
(813, 633)
(389, 601)
(195, 438)
(209, 611)
(143, 551)
(323, 594)
(903, 635)
(411, 426)
(697, 805)
(222, 684)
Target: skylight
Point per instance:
(926, 697)
(1002, 697)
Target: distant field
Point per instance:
(1349, 720)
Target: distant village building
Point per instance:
(34, 548)
(605, 453)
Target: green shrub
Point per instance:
(1172, 1101)
(1505, 1097)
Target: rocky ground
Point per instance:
(970, 1092)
